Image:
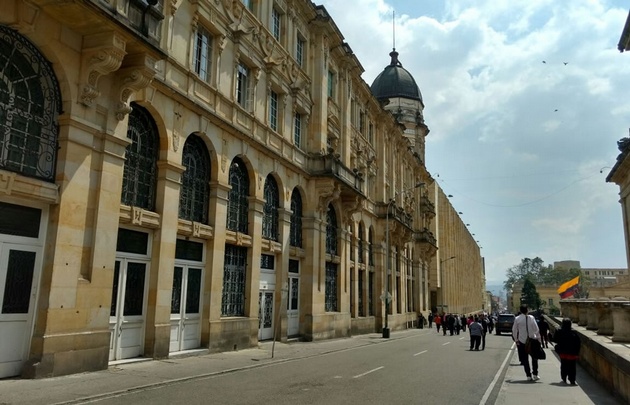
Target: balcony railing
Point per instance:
(330, 166)
(396, 213)
(427, 206)
(140, 15)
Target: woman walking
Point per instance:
(568, 348)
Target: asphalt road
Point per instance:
(423, 368)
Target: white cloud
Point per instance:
(525, 175)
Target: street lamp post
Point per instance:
(442, 280)
(386, 295)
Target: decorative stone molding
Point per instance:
(270, 246)
(327, 191)
(139, 216)
(26, 17)
(16, 185)
(350, 206)
(138, 72)
(103, 54)
(6, 182)
(178, 124)
(194, 229)
(238, 238)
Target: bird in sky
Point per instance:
(544, 61)
(565, 63)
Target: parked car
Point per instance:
(504, 323)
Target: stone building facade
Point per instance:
(457, 277)
(177, 174)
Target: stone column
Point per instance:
(593, 314)
(582, 311)
(569, 309)
(604, 317)
(621, 321)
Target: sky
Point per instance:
(525, 100)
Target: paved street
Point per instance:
(413, 367)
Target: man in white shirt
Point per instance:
(525, 326)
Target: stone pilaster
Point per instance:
(158, 323)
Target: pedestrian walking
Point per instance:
(525, 327)
(464, 323)
(430, 317)
(544, 330)
(438, 322)
(568, 348)
(475, 330)
(484, 327)
(444, 324)
(451, 324)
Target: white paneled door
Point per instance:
(19, 279)
(128, 310)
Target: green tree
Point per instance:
(529, 295)
(528, 268)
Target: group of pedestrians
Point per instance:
(478, 326)
(566, 340)
(567, 345)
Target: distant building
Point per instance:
(599, 277)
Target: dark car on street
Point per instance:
(504, 323)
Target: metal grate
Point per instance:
(195, 190)
(331, 231)
(30, 102)
(361, 243)
(371, 248)
(270, 209)
(361, 281)
(140, 172)
(331, 287)
(296, 219)
(235, 267)
(371, 294)
(238, 203)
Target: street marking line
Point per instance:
(485, 397)
(447, 343)
(424, 351)
(368, 372)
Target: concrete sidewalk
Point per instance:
(140, 375)
(550, 389)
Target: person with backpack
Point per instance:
(568, 345)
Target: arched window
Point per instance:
(270, 209)
(238, 203)
(331, 231)
(296, 219)
(30, 102)
(361, 242)
(140, 172)
(195, 191)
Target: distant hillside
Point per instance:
(496, 289)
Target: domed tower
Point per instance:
(398, 92)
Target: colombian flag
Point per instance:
(567, 289)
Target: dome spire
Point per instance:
(393, 54)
